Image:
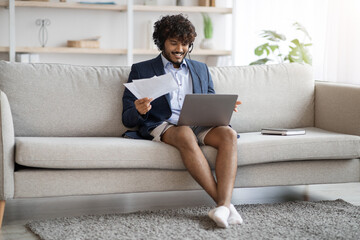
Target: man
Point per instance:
(157, 119)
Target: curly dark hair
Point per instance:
(174, 26)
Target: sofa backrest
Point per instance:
(64, 100)
(278, 95)
(67, 100)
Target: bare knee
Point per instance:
(223, 136)
(181, 137)
(185, 138)
(228, 137)
(230, 134)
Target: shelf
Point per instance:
(129, 9)
(138, 51)
(65, 5)
(137, 8)
(199, 52)
(211, 52)
(65, 50)
(184, 9)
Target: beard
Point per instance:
(176, 62)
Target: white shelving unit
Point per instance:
(66, 50)
(130, 9)
(64, 5)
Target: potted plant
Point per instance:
(298, 51)
(207, 42)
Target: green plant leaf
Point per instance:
(261, 61)
(208, 26)
(274, 47)
(301, 28)
(299, 53)
(272, 36)
(260, 50)
(296, 41)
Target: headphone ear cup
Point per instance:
(191, 47)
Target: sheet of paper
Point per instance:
(152, 87)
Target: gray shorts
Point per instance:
(200, 132)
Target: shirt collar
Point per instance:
(167, 63)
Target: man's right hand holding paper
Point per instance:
(143, 105)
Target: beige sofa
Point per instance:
(61, 132)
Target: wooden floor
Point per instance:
(19, 211)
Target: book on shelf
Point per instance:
(283, 131)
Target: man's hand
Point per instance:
(236, 105)
(143, 105)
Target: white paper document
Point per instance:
(152, 87)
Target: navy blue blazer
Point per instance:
(161, 108)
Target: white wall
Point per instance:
(72, 24)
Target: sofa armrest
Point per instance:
(7, 149)
(337, 107)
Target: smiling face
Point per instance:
(175, 51)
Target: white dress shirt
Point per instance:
(183, 79)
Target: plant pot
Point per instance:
(207, 43)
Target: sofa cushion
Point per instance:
(272, 95)
(62, 100)
(253, 148)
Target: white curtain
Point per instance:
(334, 26)
(341, 59)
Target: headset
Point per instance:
(191, 47)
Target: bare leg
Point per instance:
(2, 209)
(184, 140)
(224, 139)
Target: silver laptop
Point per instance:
(207, 109)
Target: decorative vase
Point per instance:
(207, 43)
(43, 32)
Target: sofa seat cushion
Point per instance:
(110, 152)
(95, 152)
(254, 148)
